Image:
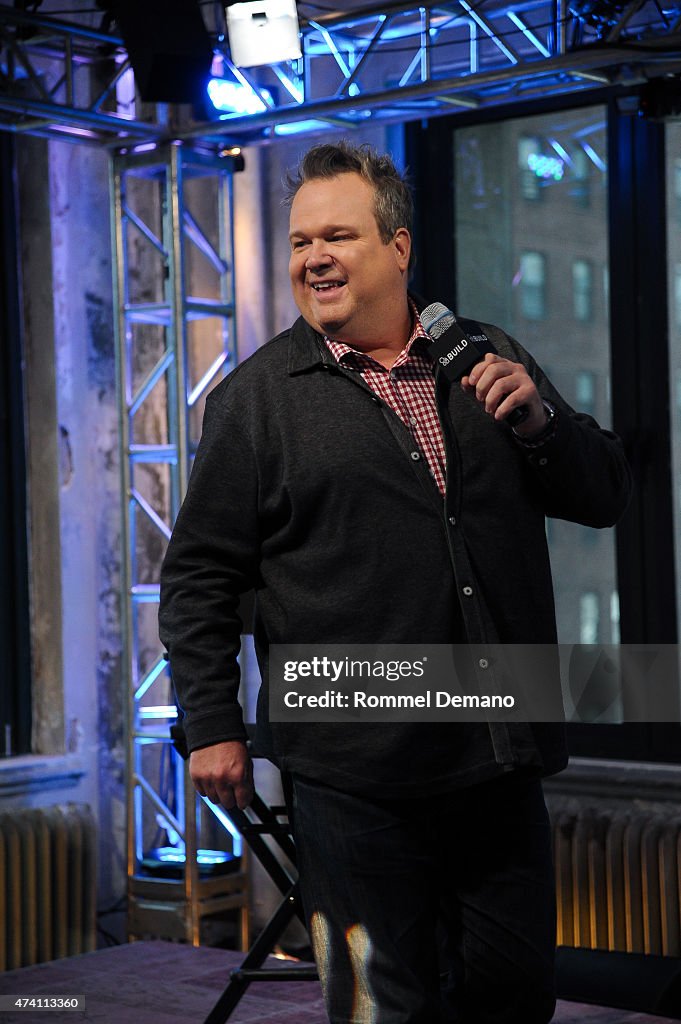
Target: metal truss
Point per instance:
(405, 61)
(62, 79)
(173, 277)
(385, 63)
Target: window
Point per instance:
(580, 177)
(504, 254)
(532, 285)
(676, 296)
(614, 617)
(676, 187)
(582, 290)
(529, 149)
(585, 392)
(589, 618)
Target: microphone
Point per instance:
(456, 352)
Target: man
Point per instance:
(366, 501)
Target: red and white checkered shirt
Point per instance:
(408, 388)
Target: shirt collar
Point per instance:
(415, 345)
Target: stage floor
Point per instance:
(165, 983)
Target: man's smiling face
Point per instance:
(347, 282)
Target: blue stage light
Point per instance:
(169, 862)
(235, 98)
(173, 855)
(294, 127)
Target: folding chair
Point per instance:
(260, 820)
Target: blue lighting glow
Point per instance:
(293, 88)
(228, 824)
(529, 34)
(173, 855)
(293, 127)
(160, 711)
(150, 678)
(546, 166)
(235, 98)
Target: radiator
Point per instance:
(47, 884)
(618, 875)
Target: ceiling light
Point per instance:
(263, 32)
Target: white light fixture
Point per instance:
(263, 32)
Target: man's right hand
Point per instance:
(223, 772)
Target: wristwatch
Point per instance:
(546, 432)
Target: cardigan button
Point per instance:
(452, 520)
(543, 461)
(483, 663)
(468, 591)
(416, 456)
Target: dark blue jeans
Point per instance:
(441, 910)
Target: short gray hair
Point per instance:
(393, 204)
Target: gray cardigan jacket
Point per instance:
(305, 488)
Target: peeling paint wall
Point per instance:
(90, 493)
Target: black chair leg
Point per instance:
(251, 969)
